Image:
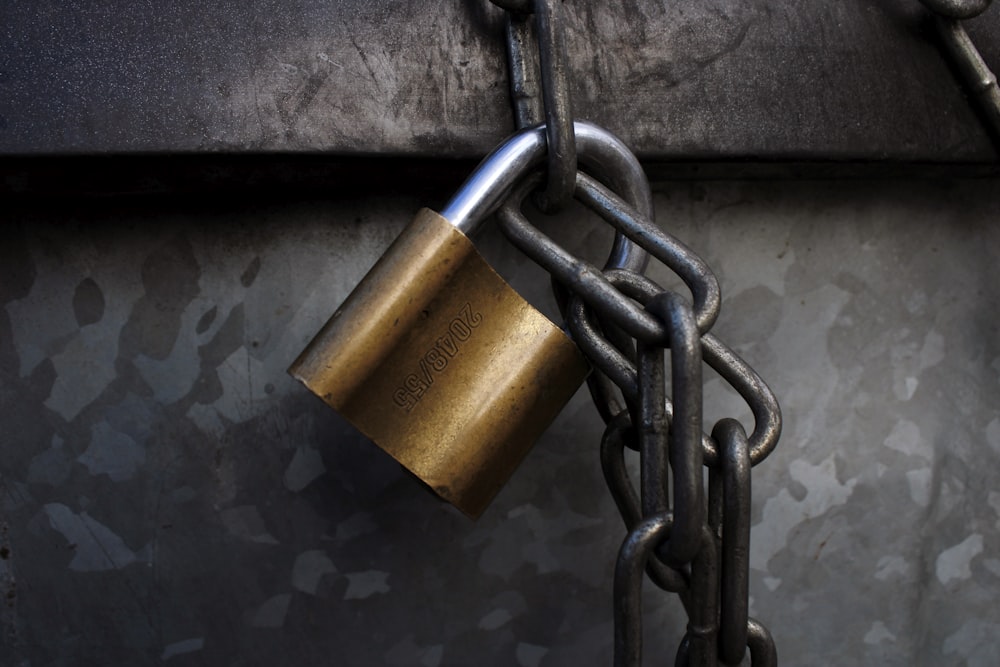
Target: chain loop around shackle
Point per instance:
(687, 542)
(623, 321)
(590, 283)
(698, 551)
(522, 15)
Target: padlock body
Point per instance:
(443, 365)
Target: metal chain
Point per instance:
(557, 108)
(689, 541)
(978, 77)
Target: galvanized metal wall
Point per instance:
(169, 494)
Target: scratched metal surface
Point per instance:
(706, 80)
(170, 496)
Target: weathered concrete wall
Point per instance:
(170, 495)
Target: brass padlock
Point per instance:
(440, 362)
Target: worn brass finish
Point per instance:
(437, 360)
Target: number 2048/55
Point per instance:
(434, 361)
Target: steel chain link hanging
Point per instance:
(976, 74)
(688, 541)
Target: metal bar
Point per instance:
(706, 80)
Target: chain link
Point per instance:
(687, 541)
(733, 476)
(957, 9)
(974, 71)
(556, 103)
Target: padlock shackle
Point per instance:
(604, 154)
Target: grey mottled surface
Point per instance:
(169, 495)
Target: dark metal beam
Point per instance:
(703, 80)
